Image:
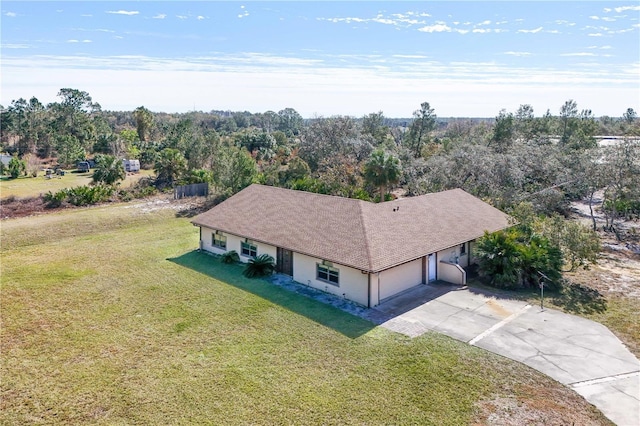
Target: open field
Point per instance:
(24, 187)
(109, 316)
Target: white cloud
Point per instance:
(181, 16)
(87, 15)
(73, 41)
(595, 35)
(606, 47)
(160, 16)
(609, 19)
(579, 54)
(518, 53)
(222, 82)
(14, 46)
(11, 14)
(625, 8)
(485, 23)
(123, 12)
(534, 31)
(594, 17)
(488, 30)
(200, 17)
(437, 28)
(87, 41)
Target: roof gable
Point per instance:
(356, 233)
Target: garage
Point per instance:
(400, 278)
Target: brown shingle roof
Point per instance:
(367, 236)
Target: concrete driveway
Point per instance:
(577, 352)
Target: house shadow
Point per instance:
(328, 310)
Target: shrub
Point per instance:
(260, 266)
(230, 257)
(79, 196)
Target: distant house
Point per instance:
(361, 251)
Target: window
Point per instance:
(463, 249)
(219, 240)
(249, 249)
(327, 273)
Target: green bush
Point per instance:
(230, 257)
(79, 196)
(260, 266)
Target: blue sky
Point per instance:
(325, 58)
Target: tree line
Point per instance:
(515, 161)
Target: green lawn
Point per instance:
(24, 187)
(110, 317)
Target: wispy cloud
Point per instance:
(437, 28)
(182, 16)
(579, 54)
(518, 53)
(15, 46)
(625, 8)
(200, 17)
(595, 35)
(11, 14)
(160, 16)
(123, 12)
(533, 31)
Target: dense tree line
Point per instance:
(516, 159)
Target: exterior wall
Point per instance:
(452, 255)
(399, 278)
(353, 283)
(233, 243)
(451, 273)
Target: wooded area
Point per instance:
(530, 166)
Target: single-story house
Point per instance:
(362, 251)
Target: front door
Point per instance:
(432, 267)
(285, 261)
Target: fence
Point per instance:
(193, 190)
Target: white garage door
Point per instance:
(400, 278)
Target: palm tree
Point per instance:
(382, 170)
(109, 170)
(170, 165)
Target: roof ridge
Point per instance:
(318, 194)
(366, 233)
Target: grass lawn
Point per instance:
(110, 317)
(24, 187)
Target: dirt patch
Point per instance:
(21, 207)
(617, 272)
(13, 207)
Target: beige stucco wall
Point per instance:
(402, 277)
(451, 273)
(353, 283)
(452, 254)
(233, 243)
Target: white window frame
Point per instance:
(247, 248)
(327, 269)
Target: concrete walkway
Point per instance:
(575, 351)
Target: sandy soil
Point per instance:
(618, 269)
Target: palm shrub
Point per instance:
(230, 257)
(515, 259)
(498, 258)
(260, 266)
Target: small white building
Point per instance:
(358, 250)
(131, 165)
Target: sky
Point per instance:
(324, 58)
